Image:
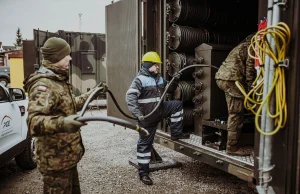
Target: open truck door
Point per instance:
(123, 38)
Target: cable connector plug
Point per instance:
(141, 118)
(177, 75)
(143, 132)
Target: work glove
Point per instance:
(103, 85)
(70, 125)
(103, 90)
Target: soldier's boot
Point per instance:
(232, 147)
(236, 151)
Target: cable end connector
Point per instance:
(141, 118)
(143, 132)
(177, 75)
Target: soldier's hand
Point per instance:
(102, 85)
(102, 90)
(70, 125)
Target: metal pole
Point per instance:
(80, 14)
(265, 91)
(269, 121)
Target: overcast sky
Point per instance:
(51, 15)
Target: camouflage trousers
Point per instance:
(61, 182)
(235, 105)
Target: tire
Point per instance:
(26, 159)
(4, 81)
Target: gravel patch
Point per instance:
(105, 169)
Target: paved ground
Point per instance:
(105, 169)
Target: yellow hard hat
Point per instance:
(151, 57)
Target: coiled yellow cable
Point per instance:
(253, 100)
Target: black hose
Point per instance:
(110, 119)
(119, 108)
(113, 98)
(88, 101)
(178, 74)
(115, 120)
(124, 123)
(162, 97)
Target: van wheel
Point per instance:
(26, 160)
(3, 81)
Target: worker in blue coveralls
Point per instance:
(142, 97)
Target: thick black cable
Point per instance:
(114, 120)
(143, 132)
(186, 89)
(178, 74)
(162, 97)
(118, 106)
(110, 119)
(89, 99)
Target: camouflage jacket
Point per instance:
(238, 66)
(50, 100)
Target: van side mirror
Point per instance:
(17, 94)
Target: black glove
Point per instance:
(70, 125)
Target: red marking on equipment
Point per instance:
(262, 25)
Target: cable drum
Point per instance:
(185, 91)
(211, 13)
(188, 117)
(187, 38)
(177, 61)
(190, 60)
(220, 17)
(182, 37)
(188, 12)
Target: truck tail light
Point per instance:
(22, 110)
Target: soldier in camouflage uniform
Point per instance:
(51, 120)
(238, 66)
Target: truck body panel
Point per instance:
(285, 144)
(124, 39)
(88, 65)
